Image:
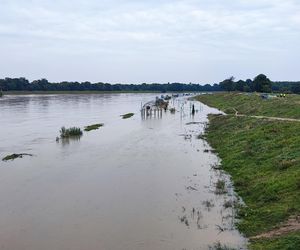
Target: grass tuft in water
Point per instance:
(219, 246)
(172, 110)
(220, 187)
(14, 156)
(128, 115)
(70, 132)
(201, 137)
(93, 127)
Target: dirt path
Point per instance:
(292, 225)
(266, 117)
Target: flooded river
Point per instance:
(134, 184)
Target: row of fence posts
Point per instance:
(148, 111)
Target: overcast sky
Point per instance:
(134, 41)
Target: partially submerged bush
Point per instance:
(128, 115)
(172, 110)
(14, 156)
(70, 132)
(93, 127)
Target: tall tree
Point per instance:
(228, 84)
(262, 83)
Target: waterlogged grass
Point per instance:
(14, 156)
(253, 104)
(263, 158)
(220, 187)
(219, 246)
(128, 115)
(93, 127)
(70, 132)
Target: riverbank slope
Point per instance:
(263, 157)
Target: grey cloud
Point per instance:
(163, 40)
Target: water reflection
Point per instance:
(66, 141)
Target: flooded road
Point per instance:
(134, 184)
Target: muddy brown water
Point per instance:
(133, 184)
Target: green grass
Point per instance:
(93, 127)
(263, 158)
(70, 132)
(285, 242)
(128, 115)
(253, 104)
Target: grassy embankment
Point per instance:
(263, 158)
(252, 104)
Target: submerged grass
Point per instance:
(70, 132)
(93, 127)
(219, 246)
(172, 110)
(263, 158)
(220, 187)
(14, 156)
(128, 115)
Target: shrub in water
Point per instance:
(69, 132)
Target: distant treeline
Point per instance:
(22, 84)
(260, 84)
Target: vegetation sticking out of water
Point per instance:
(14, 156)
(208, 204)
(93, 127)
(172, 110)
(219, 246)
(220, 187)
(70, 132)
(201, 137)
(128, 115)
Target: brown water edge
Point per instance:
(133, 184)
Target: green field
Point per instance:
(263, 158)
(253, 104)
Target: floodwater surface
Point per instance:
(134, 184)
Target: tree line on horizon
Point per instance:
(260, 83)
